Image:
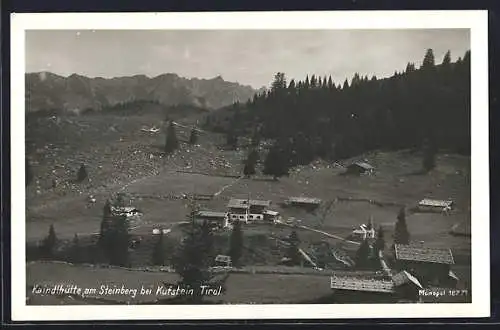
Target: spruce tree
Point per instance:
(195, 256)
(82, 173)
(346, 85)
(236, 244)
(193, 137)
(401, 234)
(276, 162)
(159, 251)
(363, 255)
(76, 255)
(104, 238)
(49, 243)
(428, 62)
(171, 143)
(447, 59)
(380, 241)
(331, 85)
(119, 241)
(293, 249)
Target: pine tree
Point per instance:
(249, 168)
(279, 82)
(401, 234)
(236, 244)
(356, 80)
(119, 241)
(346, 85)
(50, 243)
(159, 251)
(363, 255)
(380, 241)
(324, 85)
(29, 173)
(428, 62)
(76, 255)
(105, 225)
(447, 59)
(82, 173)
(195, 255)
(331, 85)
(171, 143)
(193, 137)
(276, 162)
(313, 81)
(293, 250)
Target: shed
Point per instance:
(305, 202)
(271, 216)
(223, 260)
(360, 168)
(352, 288)
(435, 205)
(219, 219)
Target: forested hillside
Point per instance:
(427, 106)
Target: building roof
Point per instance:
(435, 202)
(124, 209)
(243, 203)
(405, 277)
(270, 212)
(424, 254)
(223, 258)
(352, 283)
(363, 165)
(211, 214)
(305, 200)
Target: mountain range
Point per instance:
(48, 91)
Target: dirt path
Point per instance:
(227, 186)
(329, 235)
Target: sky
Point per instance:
(250, 57)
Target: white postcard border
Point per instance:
(476, 21)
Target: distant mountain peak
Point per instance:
(46, 90)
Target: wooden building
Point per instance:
(223, 261)
(356, 289)
(215, 219)
(307, 203)
(247, 210)
(434, 205)
(430, 265)
(363, 289)
(359, 168)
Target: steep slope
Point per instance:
(45, 90)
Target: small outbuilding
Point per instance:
(359, 168)
(215, 219)
(223, 261)
(435, 205)
(308, 203)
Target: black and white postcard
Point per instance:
(237, 165)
